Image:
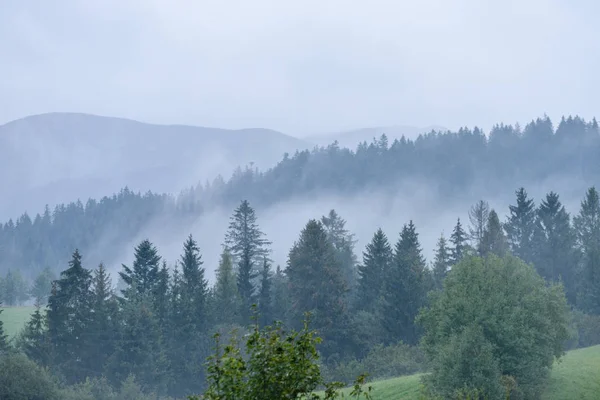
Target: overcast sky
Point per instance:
(301, 66)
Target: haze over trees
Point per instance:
(152, 334)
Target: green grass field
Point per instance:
(15, 318)
(576, 377)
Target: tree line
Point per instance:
(158, 325)
(453, 162)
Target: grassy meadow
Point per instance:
(15, 318)
(576, 376)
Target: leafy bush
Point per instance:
(495, 327)
(381, 362)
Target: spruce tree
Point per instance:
(248, 247)
(161, 298)
(265, 304)
(104, 321)
(194, 286)
(520, 226)
(554, 244)
(587, 228)
(280, 299)
(405, 288)
(69, 320)
(3, 337)
(316, 284)
(377, 258)
(144, 275)
(478, 217)
(458, 239)
(225, 294)
(441, 263)
(33, 340)
(493, 240)
(343, 241)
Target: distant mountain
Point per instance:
(352, 138)
(57, 157)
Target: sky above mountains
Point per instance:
(301, 67)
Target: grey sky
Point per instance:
(301, 67)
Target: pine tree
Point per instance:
(587, 228)
(265, 305)
(520, 226)
(316, 284)
(554, 244)
(143, 278)
(104, 321)
(493, 240)
(194, 287)
(3, 337)
(343, 242)
(376, 262)
(226, 296)
(458, 240)
(33, 340)
(69, 319)
(441, 262)
(478, 216)
(405, 290)
(248, 247)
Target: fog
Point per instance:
(304, 67)
(364, 213)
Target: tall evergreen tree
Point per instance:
(478, 217)
(405, 288)
(441, 263)
(493, 240)
(3, 337)
(377, 258)
(343, 241)
(33, 340)
(161, 297)
(520, 226)
(194, 286)
(587, 228)
(248, 247)
(554, 244)
(458, 240)
(69, 320)
(280, 299)
(316, 284)
(104, 320)
(225, 296)
(265, 301)
(144, 276)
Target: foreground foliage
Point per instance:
(276, 365)
(496, 327)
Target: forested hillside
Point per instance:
(455, 167)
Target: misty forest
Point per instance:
(511, 285)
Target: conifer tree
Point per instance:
(265, 304)
(371, 274)
(3, 337)
(587, 228)
(226, 296)
(33, 340)
(248, 247)
(280, 298)
(554, 244)
(343, 241)
(520, 226)
(441, 262)
(493, 240)
(458, 240)
(316, 284)
(194, 286)
(405, 288)
(42, 285)
(69, 319)
(478, 217)
(104, 319)
(144, 276)
(160, 296)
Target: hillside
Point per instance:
(576, 376)
(57, 157)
